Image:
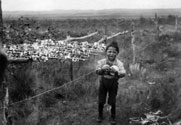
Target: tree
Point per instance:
(1, 26)
(171, 19)
(142, 20)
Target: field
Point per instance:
(157, 87)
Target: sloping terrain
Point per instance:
(75, 103)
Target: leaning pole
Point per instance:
(1, 26)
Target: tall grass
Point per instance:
(76, 102)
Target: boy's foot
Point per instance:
(112, 120)
(99, 120)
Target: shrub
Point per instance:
(23, 84)
(137, 71)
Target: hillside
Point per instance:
(75, 103)
(99, 14)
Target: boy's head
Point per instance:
(113, 44)
(112, 51)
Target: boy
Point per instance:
(110, 69)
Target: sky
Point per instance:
(41, 5)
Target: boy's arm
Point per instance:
(122, 71)
(99, 69)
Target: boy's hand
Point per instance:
(121, 75)
(105, 67)
(114, 68)
(103, 70)
(113, 73)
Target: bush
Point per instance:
(23, 83)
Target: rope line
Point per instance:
(56, 88)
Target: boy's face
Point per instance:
(111, 53)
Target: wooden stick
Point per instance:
(117, 34)
(155, 20)
(133, 43)
(19, 60)
(79, 38)
(112, 36)
(5, 107)
(176, 23)
(1, 26)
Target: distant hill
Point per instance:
(78, 14)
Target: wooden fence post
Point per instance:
(1, 26)
(176, 23)
(5, 106)
(105, 33)
(71, 63)
(156, 25)
(133, 43)
(71, 70)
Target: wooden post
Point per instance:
(105, 33)
(5, 106)
(133, 43)
(176, 23)
(1, 26)
(156, 25)
(105, 29)
(71, 70)
(71, 63)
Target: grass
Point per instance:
(76, 104)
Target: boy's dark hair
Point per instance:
(113, 44)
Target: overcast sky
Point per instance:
(14, 5)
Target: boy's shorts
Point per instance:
(109, 86)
